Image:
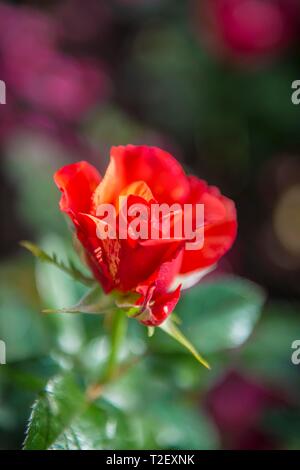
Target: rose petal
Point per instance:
(156, 307)
(77, 182)
(220, 227)
(157, 168)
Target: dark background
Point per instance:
(209, 81)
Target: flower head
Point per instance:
(152, 270)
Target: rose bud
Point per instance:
(149, 270)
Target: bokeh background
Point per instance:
(210, 81)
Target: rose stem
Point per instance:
(118, 330)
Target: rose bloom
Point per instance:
(249, 29)
(145, 271)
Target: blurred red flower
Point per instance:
(145, 174)
(249, 29)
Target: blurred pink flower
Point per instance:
(249, 29)
(63, 86)
(236, 404)
(37, 72)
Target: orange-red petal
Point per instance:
(77, 182)
(157, 168)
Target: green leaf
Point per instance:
(63, 418)
(221, 314)
(171, 329)
(84, 433)
(53, 411)
(94, 302)
(71, 269)
(100, 426)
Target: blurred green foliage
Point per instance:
(225, 121)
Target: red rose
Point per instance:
(148, 270)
